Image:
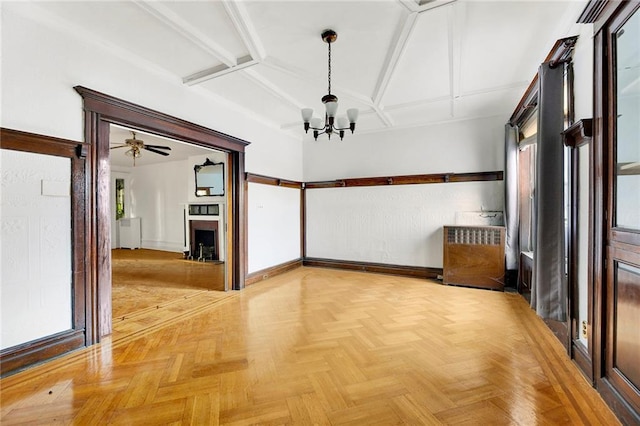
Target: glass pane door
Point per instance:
(627, 143)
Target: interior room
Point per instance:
(358, 212)
(156, 205)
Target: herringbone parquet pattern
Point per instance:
(318, 346)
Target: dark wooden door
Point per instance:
(622, 218)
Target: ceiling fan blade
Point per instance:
(120, 146)
(158, 147)
(155, 151)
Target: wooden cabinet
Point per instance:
(474, 256)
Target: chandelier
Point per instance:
(332, 124)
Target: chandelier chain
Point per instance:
(329, 74)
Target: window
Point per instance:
(119, 198)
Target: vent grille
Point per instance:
(473, 236)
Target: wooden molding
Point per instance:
(625, 412)
(582, 359)
(273, 271)
(591, 12)
(101, 110)
(408, 180)
(579, 133)
(268, 180)
(16, 358)
(141, 118)
(30, 142)
(379, 268)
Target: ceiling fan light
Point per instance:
(352, 113)
(332, 108)
(307, 113)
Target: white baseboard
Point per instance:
(163, 245)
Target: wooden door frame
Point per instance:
(100, 111)
(603, 14)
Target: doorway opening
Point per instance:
(100, 112)
(156, 259)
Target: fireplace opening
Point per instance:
(205, 245)
(204, 241)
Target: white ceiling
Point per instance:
(403, 63)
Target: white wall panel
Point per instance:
(398, 225)
(35, 289)
(461, 147)
(274, 225)
(158, 195)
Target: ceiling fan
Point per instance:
(136, 146)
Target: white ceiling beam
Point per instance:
(415, 104)
(185, 29)
(276, 91)
(457, 25)
(388, 122)
(218, 71)
(451, 53)
(239, 16)
(402, 37)
(393, 56)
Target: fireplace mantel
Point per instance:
(201, 214)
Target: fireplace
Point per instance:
(204, 240)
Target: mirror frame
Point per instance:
(197, 169)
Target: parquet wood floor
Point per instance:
(145, 279)
(316, 346)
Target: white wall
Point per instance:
(400, 225)
(35, 290)
(274, 225)
(461, 146)
(158, 195)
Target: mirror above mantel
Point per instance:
(209, 179)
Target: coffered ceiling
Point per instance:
(403, 63)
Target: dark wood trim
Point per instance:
(591, 12)
(598, 13)
(80, 334)
(581, 356)
(408, 180)
(17, 140)
(622, 409)
(561, 330)
(268, 180)
(19, 357)
(597, 206)
(378, 268)
(579, 133)
(607, 17)
(264, 274)
(239, 226)
(560, 52)
(141, 118)
(303, 222)
(100, 111)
